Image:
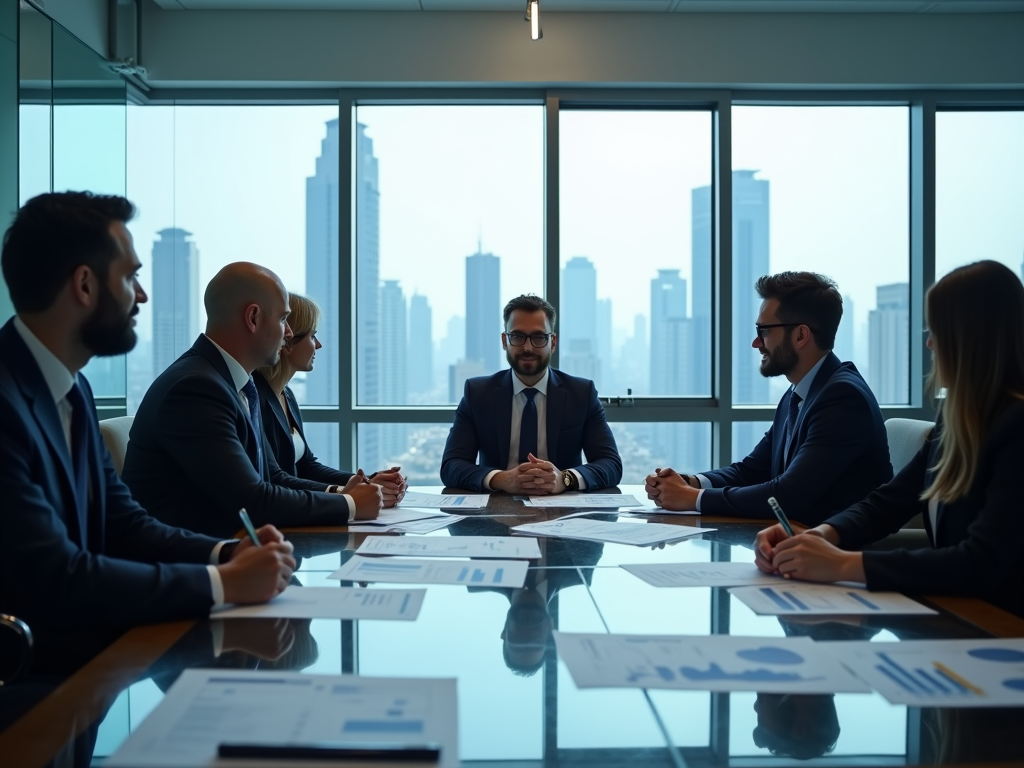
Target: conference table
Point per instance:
(517, 703)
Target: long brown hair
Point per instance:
(976, 318)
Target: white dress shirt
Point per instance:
(540, 400)
(802, 388)
(239, 378)
(59, 381)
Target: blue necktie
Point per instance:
(528, 427)
(252, 396)
(80, 457)
(794, 411)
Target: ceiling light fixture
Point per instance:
(533, 16)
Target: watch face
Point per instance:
(566, 481)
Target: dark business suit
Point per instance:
(575, 425)
(838, 454)
(65, 564)
(978, 545)
(278, 431)
(192, 456)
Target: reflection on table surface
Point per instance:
(517, 702)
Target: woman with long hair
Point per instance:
(965, 480)
(282, 421)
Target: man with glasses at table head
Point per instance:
(530, 425)
(827, 448)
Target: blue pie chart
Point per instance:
(1016, 684)
(770, 655)
(1007, 655)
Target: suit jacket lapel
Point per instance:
(556, 407)
(820, 380)
(501, 407)
(206, 349)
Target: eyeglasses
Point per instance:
(761, 328)
(537, 340)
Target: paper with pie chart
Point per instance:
(940, 673)
(704, 663)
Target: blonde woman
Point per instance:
(282, 422)
(966, 478)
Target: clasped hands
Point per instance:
(670, 490)
(811, 555)
(380, 490)
(534, 477)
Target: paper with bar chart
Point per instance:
(703, 575)
(402, 570)
(803, 599)
(502, 547)
(444, 500)
(940, 673)
(332, 603)
(580, 500)
(208, 707)
(704, 663)
(637, 533)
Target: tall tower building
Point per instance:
(421, 346)
(175, 298)
(889, 344)
(483, 310)
(670, 334)
(607, 382)
(577, 322)
(394, 351)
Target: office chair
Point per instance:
(15, 648)
(115, 437)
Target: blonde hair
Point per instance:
(303, 320)
(976, 318)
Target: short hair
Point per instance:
(806, 298)
(53, 235)
(528, 302)
(303, 319)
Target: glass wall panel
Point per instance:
(825, 189)
(416, 448)
(448, 228)
(35, 98)
(645, 446)
(635, 218)
(979, 189)
(746, 435)
(220, 184)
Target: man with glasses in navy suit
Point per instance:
(827, 448)
(530, 425)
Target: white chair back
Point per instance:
(906, 436)
(115, 437)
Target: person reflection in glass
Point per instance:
(800, 726)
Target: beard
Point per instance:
(781, 361)
(532, 367)
(109, 330)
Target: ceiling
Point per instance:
(638, 6)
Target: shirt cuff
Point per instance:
(579, 478)
(215, 555)
(487, 479)
(351, 506)
(704, 482)
(216, 586)
(699, 494)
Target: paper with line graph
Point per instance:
(799, 598)
(332, 603)
(940, 673)
(407, 570)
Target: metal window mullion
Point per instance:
(922, 241)
(346, 278)
(552, 225)
(721, 278)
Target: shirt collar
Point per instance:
(541, 386)
(59, 380)
(803, 387)
(239, 376)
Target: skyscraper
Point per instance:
(889, 344)
(672, 365)
(421, 346)
(175, 298)
(577, 323)
(483, 309)
(844, 336)
(394, 351)
(607, 383)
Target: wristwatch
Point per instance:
(569, 480)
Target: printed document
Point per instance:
(424, 525)
(208, 707)
(502, 547)
(577, 500)
(638, 534)
(704, 663)
(800, 598)
(703, 575)
(332, 603)
(406, 570)
(444, 500)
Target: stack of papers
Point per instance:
(577, 500)
(515, 548)
(789, 598)
(332, 603)
(208, 707)
(407, 570)
(639, 534)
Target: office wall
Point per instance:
(85, 19)
(283, 49)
